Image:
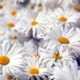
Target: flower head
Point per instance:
(11, 58)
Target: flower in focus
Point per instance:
(11, 59)
(68, 37)
(60, 16)
(36, 68)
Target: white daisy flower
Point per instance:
(28, 24)
(59, 59)
(56, 55)
(68, 37)
(11, 59)
(36, 68)
(23, 20)
(7, 22)
(12, 18)
(41, 24)
(67, 71)
(60, 16)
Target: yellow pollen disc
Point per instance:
(14, 13)
(34, 23)
(4, 60)
(63, 40)
(62, 18)
(34, 71)
(10, 25)
(56, 56)
(77, 7)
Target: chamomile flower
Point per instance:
(36, 68)
(60, 16)
(23, 21)
(7, 22)
(68, 37)
(11, 58)
(37, 24)
(41, 24)
(67, 71)
(56, 55)
(62, 60)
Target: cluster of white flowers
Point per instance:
(39, 39)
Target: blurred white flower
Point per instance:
(52, 4)
(67, 71)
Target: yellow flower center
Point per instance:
(4, 60)
(33, 71)
(10, 25)
(34, 23)
(14, 13)
(56, 56)
(63, 40)
(77, 7)
(62, 18)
